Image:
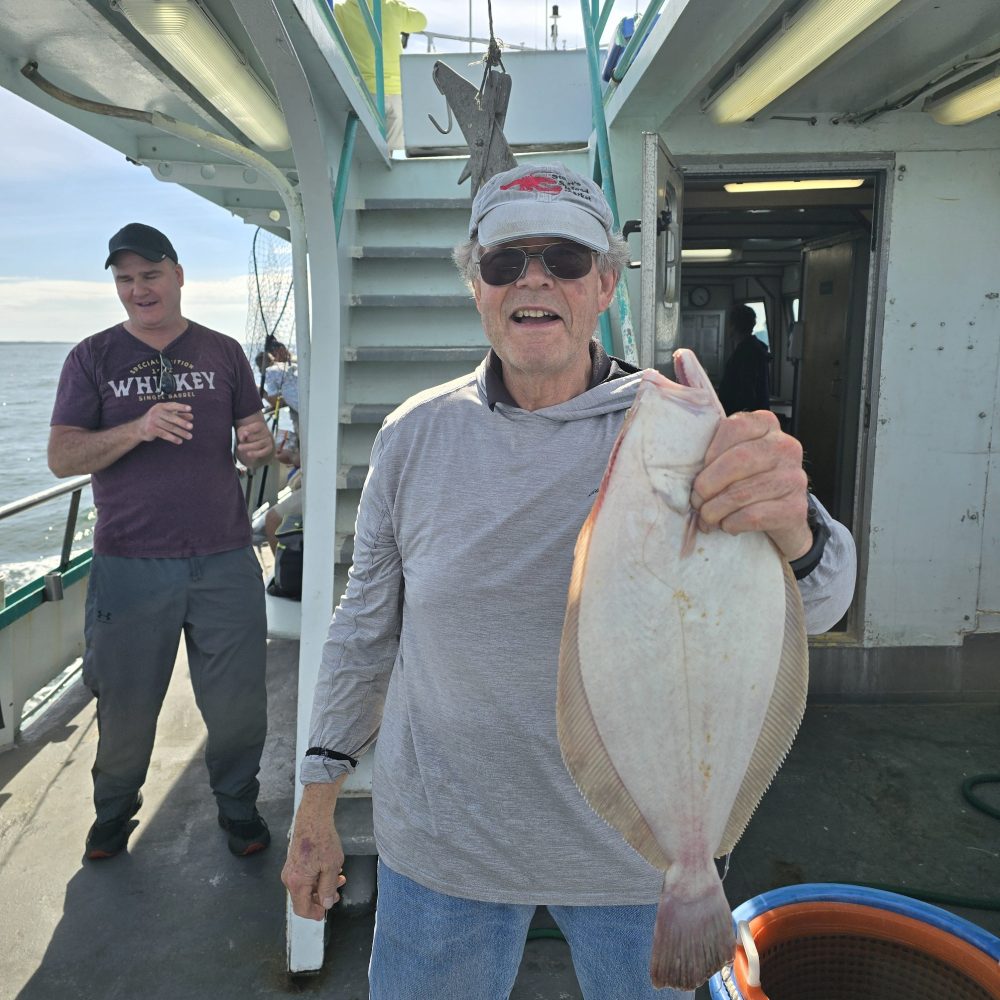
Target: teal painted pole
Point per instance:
(344, 169)
(379, 64)
(604, 166)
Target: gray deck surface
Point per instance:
(869, 792)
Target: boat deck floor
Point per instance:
(868, 793)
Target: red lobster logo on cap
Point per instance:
(534, 182)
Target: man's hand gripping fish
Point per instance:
(682, 671)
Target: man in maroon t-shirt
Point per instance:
(148, 408)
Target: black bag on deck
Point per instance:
(287, 580)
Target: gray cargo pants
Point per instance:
(136, 611)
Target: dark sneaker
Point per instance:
(247, 836)
(105, 840)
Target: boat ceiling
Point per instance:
(904, 51)
(88, 48)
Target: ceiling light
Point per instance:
(746, 187)
(709, 253)
(192, 43)
(806, 39)
(966, 105)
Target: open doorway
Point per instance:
(802, 258)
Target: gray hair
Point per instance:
(466, 257)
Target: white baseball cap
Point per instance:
(543, 199)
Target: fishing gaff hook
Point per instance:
(451, 121)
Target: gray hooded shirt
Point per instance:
(445, 645)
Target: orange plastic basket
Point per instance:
(850, 951)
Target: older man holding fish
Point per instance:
(455, 645)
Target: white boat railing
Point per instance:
(75, 487)
(41, 623)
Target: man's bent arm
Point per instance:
(78, 451)
(254, 442)
(315, 855)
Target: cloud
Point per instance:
(38, 309)
(47, 146)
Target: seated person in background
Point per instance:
(745, 381)
(290, 506)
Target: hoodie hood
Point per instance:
(613, 385)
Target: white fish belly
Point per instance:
(678, 657)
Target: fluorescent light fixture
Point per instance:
(709, 253)
(192, 43)
(746, 187)
(806, 39)
(969, 103)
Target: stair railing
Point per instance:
(373, 22)
(595, 20)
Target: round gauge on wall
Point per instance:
(699, 296)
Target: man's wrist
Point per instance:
(809, 560)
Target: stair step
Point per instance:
(411, 301)
(465, 355)
(438, 328)
(366, 413)
(416, 204)
(351, 477)
(343, 548)
(413, 276)
(402, 253)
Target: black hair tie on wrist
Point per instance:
(805, 564)
(331, 755)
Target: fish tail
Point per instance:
(694, 935)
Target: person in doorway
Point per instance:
(397, 19)
(148, 408)
(445, 645)
(746, 377)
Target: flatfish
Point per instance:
(682, 669)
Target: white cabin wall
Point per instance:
(936, 400)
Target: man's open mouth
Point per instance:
(530, 316)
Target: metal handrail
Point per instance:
(76, 486)
(642, 30)
(26, 503)
(592, 20)
(376, 102)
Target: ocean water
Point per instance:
(30, 542)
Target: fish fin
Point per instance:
(690, 534)
(782, 719)
(583, 750)
(694, 935)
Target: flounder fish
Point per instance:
(682, 671)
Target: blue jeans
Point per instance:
(429, 946)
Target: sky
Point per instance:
(63, 194)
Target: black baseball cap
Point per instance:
(141, 239)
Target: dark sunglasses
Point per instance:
(166, 383)
(560, 260)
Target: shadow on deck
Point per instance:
(869, 793)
